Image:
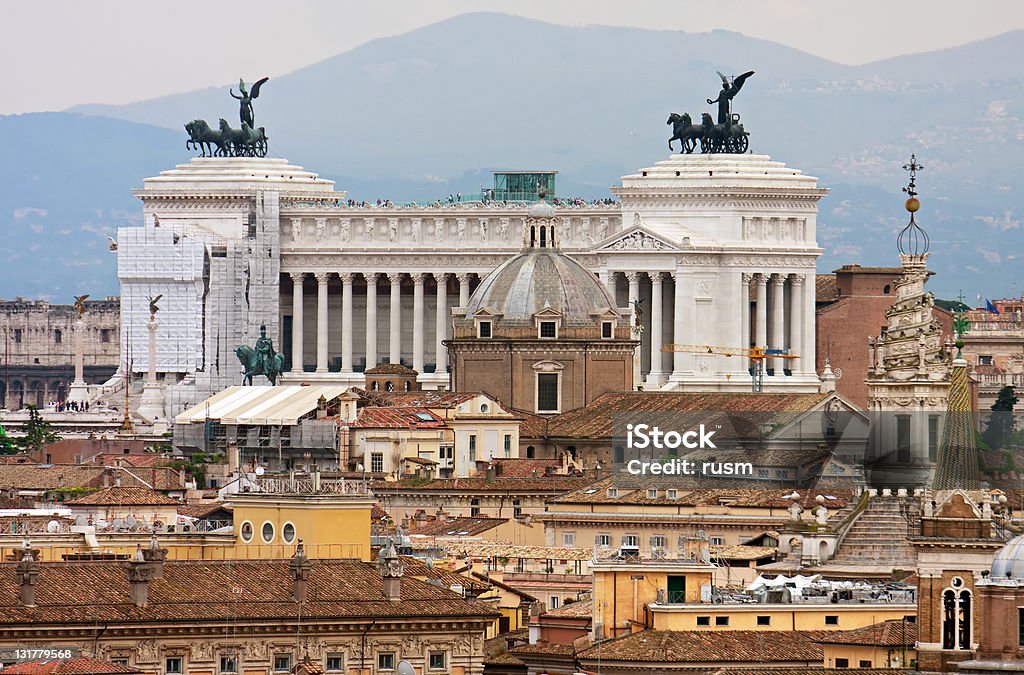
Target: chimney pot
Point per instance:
(140, 573)
(28, 576)
(300, 567)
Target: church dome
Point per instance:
(1009, 562)
(540, 278)
(541, 209)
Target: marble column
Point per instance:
(656, 376)
(778, 320)
(609, 281)
(761, 311)
(322, 329)
(297, 278)
(395, 326)
(638, 353)
(679, 327)
(417, 322)
(796, 322)
(441, 324)
(463, 288)
(745, 279)
(346, 322)
(371, 319)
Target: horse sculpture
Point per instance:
(244, 142)
(724, 137)
(251, 362)
(687, 133)
(202, 137)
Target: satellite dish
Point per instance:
(701, 534)
(131, 521)
(118, 524)
(405, 668)
(53, 526)
(80, 520)
(259, 471)
(705, 556)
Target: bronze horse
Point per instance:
(244, 142)
(687, 133)
(251, 362)
(202, 137)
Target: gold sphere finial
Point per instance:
(913, 204)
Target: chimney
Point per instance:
(441, 515)
(28, 576)
(155, 556)
(491, 473)
(140, 573)
(391, 570)
(300, 567)
(107, 473)
(321, 408)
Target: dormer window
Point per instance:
(483, 329)
(607, 330)
(548, 329)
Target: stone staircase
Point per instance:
(879, 536)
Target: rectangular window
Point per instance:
(472, 447)
(933, 437)
(1020, 626)
(229, 663)
(604, 540)
(548, 329)
(864, 663)
(659, 541)
(438, 661)
(903, 438)
(386, 661)
(721, 621)
(652, 493)
(104, 335)
(474, 507)
(606, 329)
(508, 445)
(172, 665)
(119, 661)
(716, 541)
(553, 602)
(547, 392)
(517, 508)
(985, 360)
(703, 620)
(831, 619)
(282, 663)
(484, 329)
(568, 539)
(631, 540)
(17, 336)
(842, 663)
(57, 336)
(377, 462)
(764, 621)
(613, 492)
(335, 662)
(671, 494)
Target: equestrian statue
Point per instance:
(726, 136)
(261, 360)
(249, 141)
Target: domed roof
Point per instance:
(1009, 562)
(541, 209)
(539, 278)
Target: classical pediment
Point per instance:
(639, 238)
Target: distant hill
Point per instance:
(425, 113)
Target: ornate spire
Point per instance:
(912, 240)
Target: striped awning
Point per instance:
(279, 405)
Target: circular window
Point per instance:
(484, 408)
(267, 532)
(288, 533)
(957, 582)
(246, 532)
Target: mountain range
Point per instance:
(432, 111)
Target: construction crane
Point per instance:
(755, 354)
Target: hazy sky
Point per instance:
(58, 53)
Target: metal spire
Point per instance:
(912, 239)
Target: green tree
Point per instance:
(38, 433)
(1000, 422)
(7, 444)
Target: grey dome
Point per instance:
(1009, 562)
(539, 278)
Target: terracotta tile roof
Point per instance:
(395, 417)
(895, 271)
(141, 460)
(635, 491)
(124, 496)
(489, 550)
(532, 426)
(741, 552)
(891, 633)
(595, 419)
(573, 610)
(53, 476)
(825, 288)
(805, 671)
(76, 666)
(458, 527)
(544, 648)
(525, 468)
(195, 591)
(425, 399)
(377, 513)
(414, 567)
(203, 508)
(557, 484)
(711, 646)
(390, 369)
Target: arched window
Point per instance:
(956, 616)
(533, 236)
(388, 386)
(543, 236)
(887, 290)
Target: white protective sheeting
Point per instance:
(280, 405)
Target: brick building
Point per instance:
(851, 304)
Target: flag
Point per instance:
(990, 307)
